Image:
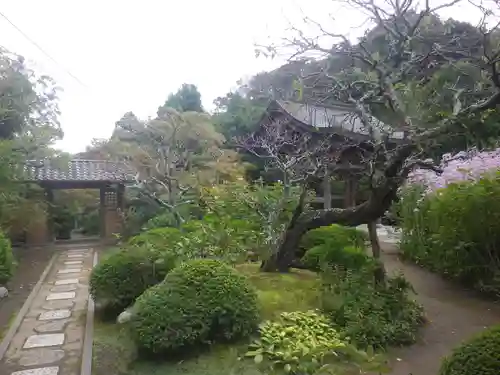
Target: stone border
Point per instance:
(88, 340)
(4, 345)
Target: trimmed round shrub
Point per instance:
(349, 257)
(198, 303)
(123, 276)
(477, 356)
(334, 235)
(6, 259)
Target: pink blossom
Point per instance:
(464, 166)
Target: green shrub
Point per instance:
(369, 314)
(6, 259)
(477, 356)
(199, 302)
(122, 277)
(158, 238)
(337, 236)
(455, 231)
(349, 257)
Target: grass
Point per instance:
(114, 352)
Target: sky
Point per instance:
(128, 55)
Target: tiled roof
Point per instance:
(77, 170)
(339, 116)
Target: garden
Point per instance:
(227, 262)
(195, 296)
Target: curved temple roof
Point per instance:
(76, 170)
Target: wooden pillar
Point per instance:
(120, 203)
(49, 197)
(351, 187)
(327, 191)
(102, 211)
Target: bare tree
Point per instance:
(165, 153)
(384, 79)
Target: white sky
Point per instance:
(131, 54)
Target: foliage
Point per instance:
(158, 238)
(349, 257)
(199, 302)
(265, 208)
(301, 343)
(237, 114)
(334, 245)
(28, 103)
(336, 236)
(123, 276)
(455, 231)
(186, 99)
(370, 314)
(297, 290)
(478, 355)
(90, 222)
(167, 154)
(6, 259)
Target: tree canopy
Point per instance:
(186, 99)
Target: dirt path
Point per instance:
(30, 265)
(454, 315)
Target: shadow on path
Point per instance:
(454, 315)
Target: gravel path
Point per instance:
(454, 315)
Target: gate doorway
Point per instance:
(106, 180)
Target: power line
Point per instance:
(42, 50)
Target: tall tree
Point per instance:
(386, 79)
(186, 99)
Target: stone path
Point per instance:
(50, 338)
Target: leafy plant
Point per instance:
(122, 277)
(6, 259)
(302, 343)
(198, 303)
(478, 355)
(370, 314)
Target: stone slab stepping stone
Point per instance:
(69, 270)
(55, 314)
(63, 288)
(57, 296)
(39, 371)
(55, 326)
(38, 357)
(69, 263)
(61, 304)
(76, 255)
(66, 281)
(40, 341)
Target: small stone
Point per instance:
(55, 326)
(57, 296)
(63, 288)
(3, 292)
(55, 314)
(69, 270)
(66, 281)
(61, 304)
(71, 262)
(39, 371)
(39, 341)
(125, 317)
(37, 357)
